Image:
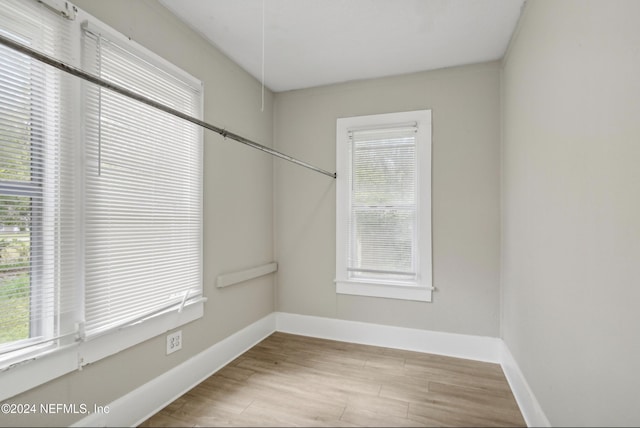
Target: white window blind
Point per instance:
(37, 208)
(383, 217)
(143, 189)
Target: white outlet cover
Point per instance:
(174, 342)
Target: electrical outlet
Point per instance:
(174, 342)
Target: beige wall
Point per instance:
(571, 208)
(238, 212)
(465, 200)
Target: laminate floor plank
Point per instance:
(369, 418)
(289, 380)
(380, 405)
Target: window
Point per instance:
(100, 197)
(384, 206)
(143, 187)
(35, 289)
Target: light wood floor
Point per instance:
(289, 380)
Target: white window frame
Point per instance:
(421, 288)
(193, 308)
(30, 368)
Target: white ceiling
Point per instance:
(316, 42)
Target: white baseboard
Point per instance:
(527, 401)
(480, 348)
(141, 403)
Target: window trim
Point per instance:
(421, 289)
(118, 339)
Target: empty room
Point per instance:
(319, 213)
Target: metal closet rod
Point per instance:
(119, 89)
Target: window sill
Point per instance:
(384, 290)
(95, 349)
(40, 369)
(45, 367)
